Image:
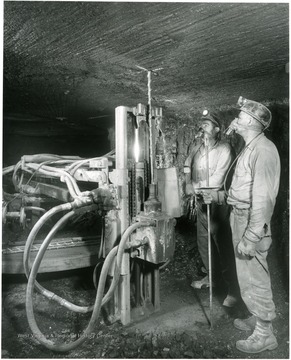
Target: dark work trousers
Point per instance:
(221, 239)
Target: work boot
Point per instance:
(248, 324)
(230, 301)
(261, 339)
(204, 282)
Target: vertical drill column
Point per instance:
(121, 141)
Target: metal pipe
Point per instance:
(206, 144)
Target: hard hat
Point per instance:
(207, 116)
(258, 111)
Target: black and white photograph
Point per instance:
(145, 179)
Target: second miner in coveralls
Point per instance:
(220, 156)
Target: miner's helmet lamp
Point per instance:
(211, 117)
(258, 111)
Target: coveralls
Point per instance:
(252, 195)
(220, 159)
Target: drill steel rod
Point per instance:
(151, 124)
(206, 142)
(151, 128)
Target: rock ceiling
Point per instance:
(76, 61)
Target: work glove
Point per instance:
(210, 196)
(246, 248)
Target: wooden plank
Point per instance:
(57, 243)
(54, 260)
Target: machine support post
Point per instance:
(121, 166)
(156, 300)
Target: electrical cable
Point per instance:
(165, 264)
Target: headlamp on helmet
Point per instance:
(257, 110)
(207, 116)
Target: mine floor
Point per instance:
(180, 329)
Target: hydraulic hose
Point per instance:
(8, 170)
(96, 308)
(56, 172)
(95, 274)
(34, 231)
(47, 240)
(120, 251)
(14, 176)
(50, 295)
(98, 301)
(40, 158)
(71, 188)
(75, 166)
(66, 175)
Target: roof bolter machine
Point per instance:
(138, 203)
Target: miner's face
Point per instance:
(210, 129)
(243, 122)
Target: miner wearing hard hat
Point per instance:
(252, 196)
(220, 157)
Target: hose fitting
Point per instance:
(81, 201)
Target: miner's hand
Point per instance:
(246, 248)
(209, 196)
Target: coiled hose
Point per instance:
(99, 301)
(29, 243)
